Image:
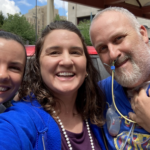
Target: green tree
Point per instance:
(2, 18)
(58, 18)
(19, 25)
(84, 29)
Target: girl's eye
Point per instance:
(14, 68)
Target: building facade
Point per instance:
(41, 17)
(77, 13)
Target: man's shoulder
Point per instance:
(105, 83)
(108, 79)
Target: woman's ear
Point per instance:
(86, 75)
(144, 34)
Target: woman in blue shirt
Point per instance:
(62, 106)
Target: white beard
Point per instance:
(140, 67)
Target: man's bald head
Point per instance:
(123, 11)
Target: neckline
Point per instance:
(72, 134)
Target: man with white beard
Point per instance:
(120, 40)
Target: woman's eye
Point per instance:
(76, 52)
(54, 53)
(14, 68)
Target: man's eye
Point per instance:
(119, 39)
(102, 49)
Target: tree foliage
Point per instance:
(19, 25)
(58, 18)
(84, 29)
(2, 18)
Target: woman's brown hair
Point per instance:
(90, 102)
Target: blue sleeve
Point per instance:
(17, 130)
(105, 84)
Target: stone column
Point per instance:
(50, 11)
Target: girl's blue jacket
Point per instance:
(26, 126)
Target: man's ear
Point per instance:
(144, 34)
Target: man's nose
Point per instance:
(3, 74)
(114, 52)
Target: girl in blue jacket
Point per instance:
(12, 65)
(62, 106)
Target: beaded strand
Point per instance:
(67, 138)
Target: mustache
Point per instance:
(118, 61)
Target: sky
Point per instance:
(16, 6)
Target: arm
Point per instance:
(140, 104)
(17, 130)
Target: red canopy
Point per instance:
(30, 49)
(91, 50)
